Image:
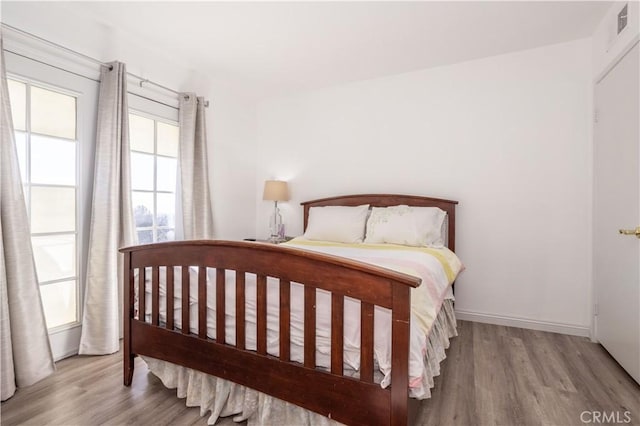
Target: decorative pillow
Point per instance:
(410, 226)
(337, 223)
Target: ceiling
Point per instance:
(280, 47)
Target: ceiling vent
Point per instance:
(622, 18)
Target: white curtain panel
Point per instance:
(24, 350)
(193, 176)
(112, 224)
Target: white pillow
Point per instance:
(337, 223)
(410, 226)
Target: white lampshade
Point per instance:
(275, 190)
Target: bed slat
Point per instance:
(155, 295)
(366, 342)
(202, 302)
(170, 296)
(142, 282)
(220, 305)
(240, 308)
(400, 358)
(129, 315)
(309, 327)
(186, 283)
(337, 333)
(285, 320)
(261, 297)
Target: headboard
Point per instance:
(386, 200)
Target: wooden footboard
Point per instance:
(330, 393)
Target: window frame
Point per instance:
(25, 61)
(160, 113)
(80, 176)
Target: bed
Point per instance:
(288, 322)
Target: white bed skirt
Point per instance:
(224, 398)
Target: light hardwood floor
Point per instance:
(493, 375)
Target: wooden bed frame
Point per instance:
(330, 393)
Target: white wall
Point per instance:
(230, 119)
(508, 136)
(231, 124)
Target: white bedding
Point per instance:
(436, 267)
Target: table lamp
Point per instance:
(276, 190)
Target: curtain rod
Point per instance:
(90, 59)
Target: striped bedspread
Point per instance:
(437, 268)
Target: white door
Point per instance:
(617, 207)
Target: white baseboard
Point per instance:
(554, 327)
(61, 356)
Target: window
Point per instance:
(45, 124)
(54, 117)
(154, 151)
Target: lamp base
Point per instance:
(275, 226)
